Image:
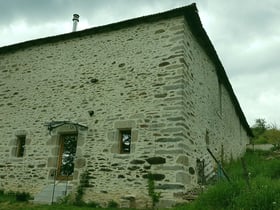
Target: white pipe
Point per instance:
(75, 22)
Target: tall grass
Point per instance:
(263, 192)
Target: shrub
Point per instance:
(112, 204)
(79, 203)
(79, 195)
(22, 196)
(84, 182)
(65, 200)
(93, 204)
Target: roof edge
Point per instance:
(181, 11)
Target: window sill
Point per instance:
(122, 156)
(16, 159)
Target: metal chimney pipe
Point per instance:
(75, 22)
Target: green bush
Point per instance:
(84, 182)
(112, 204)
(22, 196)
(93, 204)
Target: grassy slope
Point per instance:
(263, 192)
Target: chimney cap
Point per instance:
(76, 17)
(75, 22)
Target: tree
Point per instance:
(258, 130)
(259, 127)
(264, 133)
(273, 136)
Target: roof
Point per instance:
(189, 12)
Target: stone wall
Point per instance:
(214, 121)
(152, 78)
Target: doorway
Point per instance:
(66, 156)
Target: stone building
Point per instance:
(147, 95)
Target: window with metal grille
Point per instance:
(125, 141)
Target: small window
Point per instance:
(125, 141)
(20, 146)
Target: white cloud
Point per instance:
(20, 31)
(259, 96)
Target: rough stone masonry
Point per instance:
(156, 81)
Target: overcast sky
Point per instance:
(245, 34)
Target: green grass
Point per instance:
(8, 202)
(17, 206)
(263, 192)
(28, 206)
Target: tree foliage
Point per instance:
(259, 127)
(264, 133)
(273, 136)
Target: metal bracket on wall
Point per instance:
(55, 124)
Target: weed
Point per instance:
(263, 194)
(65, 200)
(155, 196)
(84, 182)
(93, 204)
(22, 196)
(112, 204)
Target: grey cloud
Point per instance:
(242, 59)
(38, 11)
(243, 21)
(243, 34)
(258, 95)
(30, 10)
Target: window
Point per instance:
(125, 141)
(67, 153)
(20, 146)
